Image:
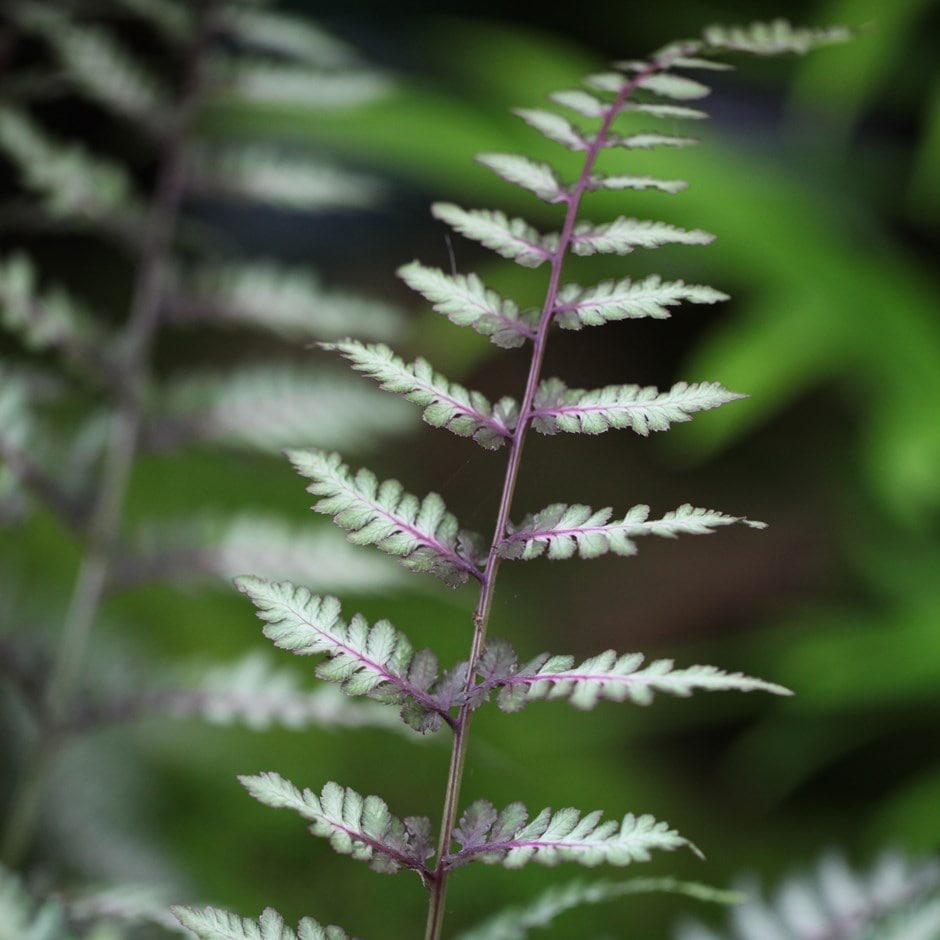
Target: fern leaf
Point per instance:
(620, 300)
(623, 235)
(286, 181)
(558, 408)
(514, 923)
(564, 531)
(466, 301)
(377, 661)
(422, 535)
(554, 127)
(561, 836)
(27, 448)
(95, 61)
(269, 407)
(224, 547)
(132, 905)
(647, 140)
(261, 80)
(667, 85)
(291, 302)
(772, 38)
(616, 678)
(580, 102)
(70, 181)
(514, 239)
(361, 827)
(613, 82)
(637, 182)
(22, 918)
(212, 923)
(538, 178)
(446, 404)
(669, 111)
(896, 900)
(44, 321)
(255, 693)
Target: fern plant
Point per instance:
(897, 899)
(377, 660)
(85, 397)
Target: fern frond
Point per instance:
(580, 102)
(96, 62)
(642, 409)
(377, 661)
(446, 404)
(623, 235)
(466, 301)
(620, 300)
(16, 422)
(554, 127)
(22, 918)
(291, 37)
(514, 923)
(636, 182)
(514, 239)
(254, 79)
(270, 407)
(292, 181)
(291, 302)
(668, 85)
(212, 923)
(421, 534)
(616, 678)
(896, 900)
(224, 547)
(25, 450)
(538, 178)
(51, 320)
(257, 694)
(564, 835)
(70, 181)
(669, 111)
(564, 530)
(772, 38)
(647, 140)
(133, 905)
(361, 827)
(613, 82)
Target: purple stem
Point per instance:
(488, 580)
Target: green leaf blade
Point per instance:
(514, 239)
(563, 531)
(446, 404)
(623, 235)
(466, 301)
(641, 409)
(361, 827)
(386, 516)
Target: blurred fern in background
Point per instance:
(143, 352)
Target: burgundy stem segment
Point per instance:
(488, 582)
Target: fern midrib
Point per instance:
(423, 538)
(484, 607)
(394, 679)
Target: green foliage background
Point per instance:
(819, 177)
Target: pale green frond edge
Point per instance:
(515, 923)
(212, 923)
